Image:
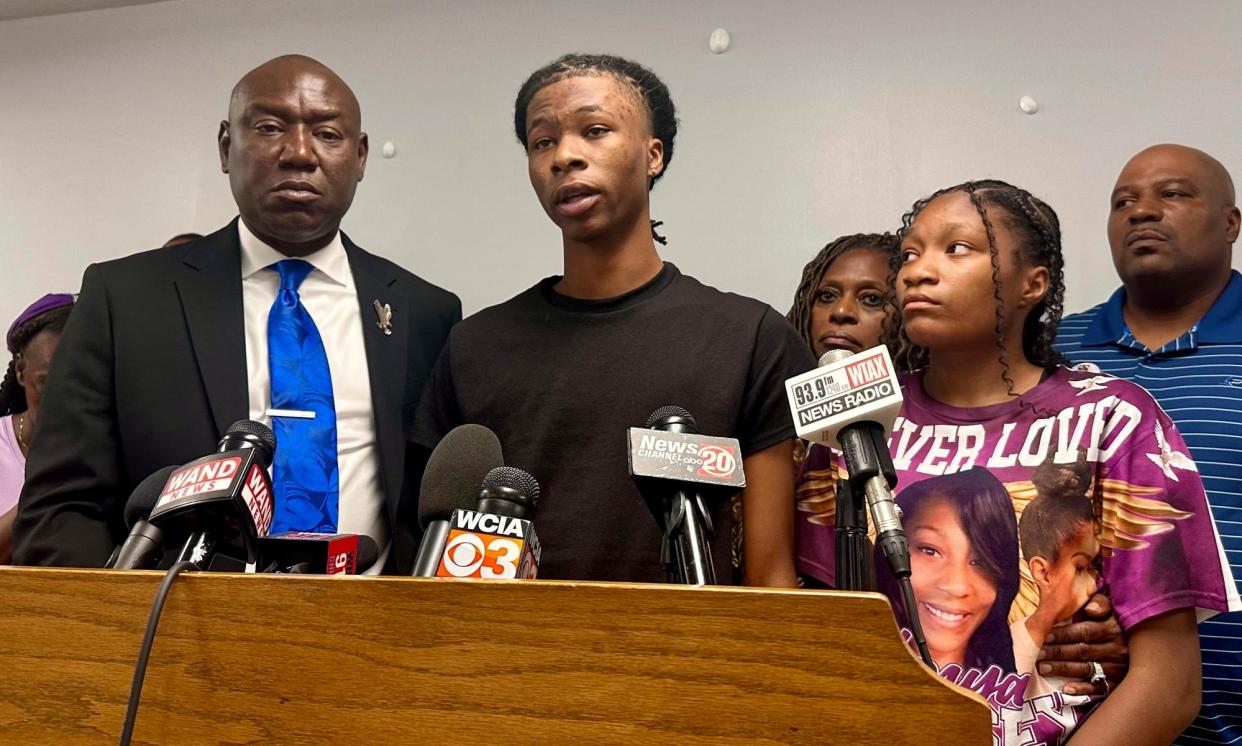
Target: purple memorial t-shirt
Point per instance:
(12, 466)
(1015, 513)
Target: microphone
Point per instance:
(224, 499)
(850, 403)
(302, 552)
(496, 539)
(451, 480)
(669, 459)
(145, 544)
(218, 500)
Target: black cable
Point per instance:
(916, 625)
(872, 474)
(144, 653)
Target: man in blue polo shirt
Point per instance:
(1175, 327)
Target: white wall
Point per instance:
(824, 118)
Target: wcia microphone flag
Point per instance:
(497, 539)
(486, 545)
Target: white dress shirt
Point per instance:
(329, 295)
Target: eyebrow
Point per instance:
(947, 228)
(316, 114)
(586, 109)
(1182, 180)
(865, 283)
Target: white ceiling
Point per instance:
(11, 9)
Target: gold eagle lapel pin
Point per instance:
(384, 312)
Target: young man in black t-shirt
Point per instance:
(561, 370)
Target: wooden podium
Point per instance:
(248, 659)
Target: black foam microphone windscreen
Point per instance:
(456, 468)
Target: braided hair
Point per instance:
(813, 273)
(12, 395)
(654, 94)
(1037, 230)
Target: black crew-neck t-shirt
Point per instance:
(560, 379)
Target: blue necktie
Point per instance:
(304, 476)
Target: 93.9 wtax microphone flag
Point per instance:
(222, 500)
(843, 390)
(496, 539)
(850, 403)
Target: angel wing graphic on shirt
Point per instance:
(1128, 518)
(1169, 459)
(1094, 383)
(817, 494)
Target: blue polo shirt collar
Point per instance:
(1109, 325)
(1222, 324)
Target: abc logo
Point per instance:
(718, 462)
(466, 555)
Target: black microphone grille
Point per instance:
(257, 429)
(514, 479)
(671, 411)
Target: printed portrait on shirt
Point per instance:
(963, 543)
(966, 536)
(1058, 534)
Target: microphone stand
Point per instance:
(855, 570)
(197, 550)
(686, 548)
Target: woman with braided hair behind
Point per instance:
(31, 340)
(979, 286)
(843, 301)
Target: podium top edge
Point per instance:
(86, 573)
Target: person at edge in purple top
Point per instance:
(845, 301)
(31, 340)
(979, 285)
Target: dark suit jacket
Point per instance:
(151, 370)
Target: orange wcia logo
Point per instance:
(718, 462)
(482, 545)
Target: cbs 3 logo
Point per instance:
(473, 556)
